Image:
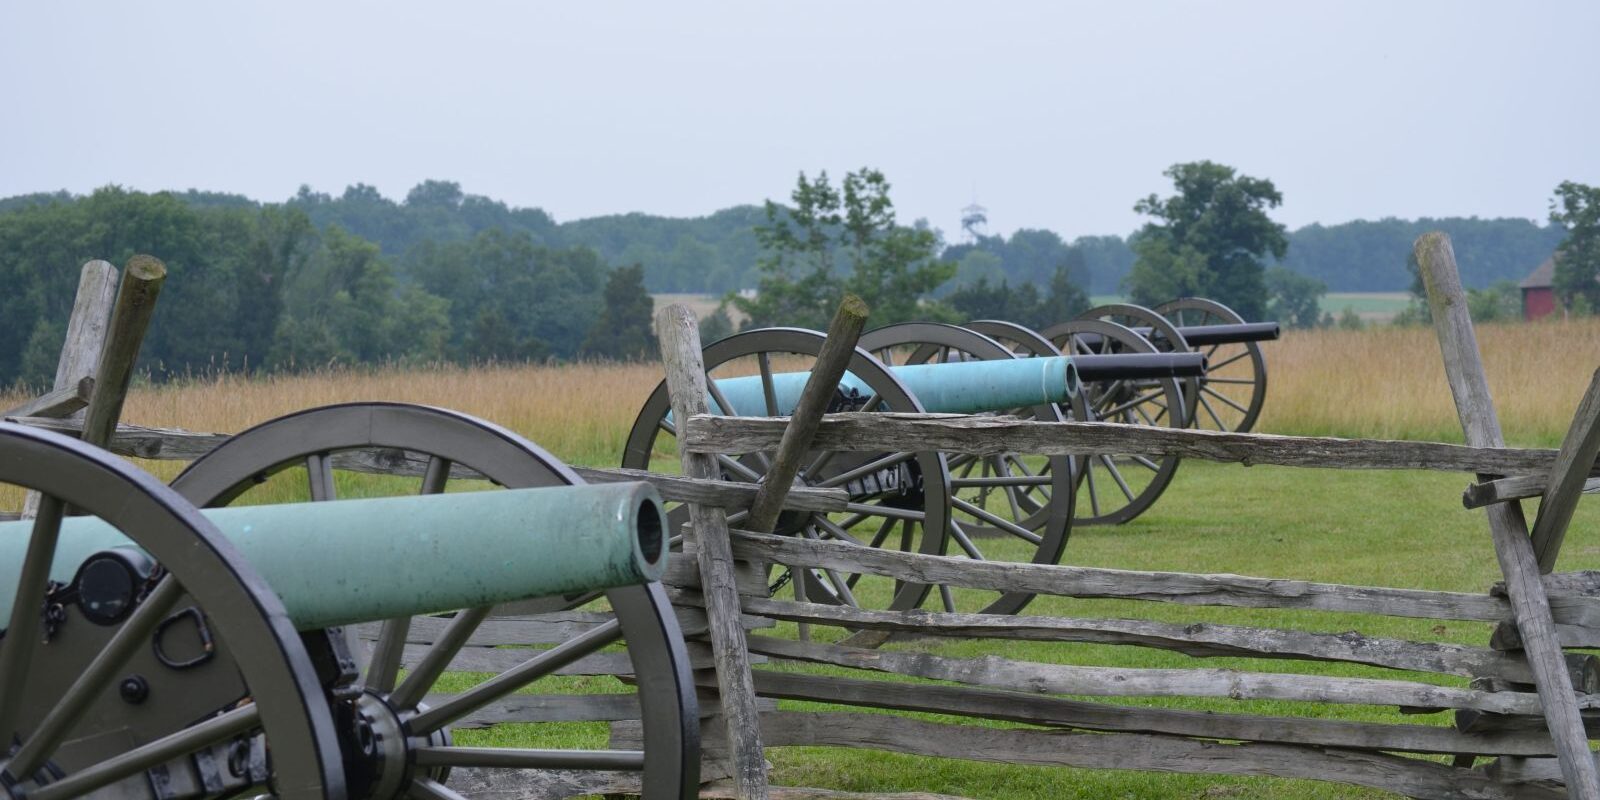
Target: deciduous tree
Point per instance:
(1210, 239)
(1577, 276)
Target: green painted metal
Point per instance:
(345, 561)
(954, 387)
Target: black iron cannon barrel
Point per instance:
(1234, 333)
(1137, 366)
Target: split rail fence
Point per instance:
(1524, 704)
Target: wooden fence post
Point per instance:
(136, 301)
(86, 336)
(1568, 477)
(843, 333)
(679, 333)
(840, 345)
(1458, 344)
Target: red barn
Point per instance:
(1538, 291)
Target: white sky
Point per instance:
(1058, 115)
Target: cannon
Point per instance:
(185, 641)
(1230, 395)
(981, 508)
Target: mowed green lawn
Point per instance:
(1401, 529)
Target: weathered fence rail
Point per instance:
(995, 435)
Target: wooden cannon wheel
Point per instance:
(1230, 395)
(185, 652)
(481, 455)
(1009, 500)
(899, 500)
(1119, 488)
(1159, 332)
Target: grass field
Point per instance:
(1401, 529)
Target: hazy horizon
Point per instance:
(1051, 117)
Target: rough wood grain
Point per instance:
(1104, 717)
(1001, 673)
(1201, 639)
(1567, 478)
(1407, 776)
(142, 279)
(985, 435)
(1469, 386)
(55, 403)
(728, 495)
(837, 349)
(1501, 490)
(86, 328)
(86, 336)
(1173, 587)
(679, 335)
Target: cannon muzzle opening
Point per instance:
(650, 527)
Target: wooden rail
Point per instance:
(874, 432)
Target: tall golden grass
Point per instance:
(1382, 382)
(1388, 382)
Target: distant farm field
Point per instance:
(1404, 529)
(1371, 306)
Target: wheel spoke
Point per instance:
(841, 588)
(22, 634)
(1138, 399)
(1213, 412)
(156, 753)
(947, 599)
(1094, 497)
(1014, 480)
(1146, 463)
(883, 531)
(527, 758)
(319, 473)
(838, 533)
(515, 678)
(768, 391)
(724, 407)
(1116, 475)
(959, 534)
(863, 470)
(999, 522)
(438, 658)
(819, 462)
(736, 468)
(885, 511)
(1214, 393)
(1227, 361)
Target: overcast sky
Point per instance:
(1052, 115)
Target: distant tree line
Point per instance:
(720, 253)
(254, 287)
(442, 275)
